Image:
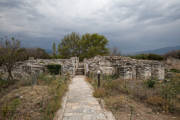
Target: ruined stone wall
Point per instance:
(37, 66)
(125, 67)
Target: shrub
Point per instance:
(150, 83)
(99, 92)
(54, 69)
(157, 102)
(174, 54)
(169, 94)
(175, 70)
(148, 57)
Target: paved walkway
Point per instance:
(80, 103)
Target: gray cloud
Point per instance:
(131, 25)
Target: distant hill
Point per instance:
(160, 51)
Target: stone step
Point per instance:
(79, 73)
(80, 69)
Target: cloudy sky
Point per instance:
(130, 25)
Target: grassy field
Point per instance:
(27, 101)
(137, 99)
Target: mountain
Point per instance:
(159, 51)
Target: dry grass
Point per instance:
(99, 92)
(116, 103)
(38, 102)
(158, 96)
(30, 99)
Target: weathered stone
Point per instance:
(125, 67)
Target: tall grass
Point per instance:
(161, 96)
(57, 88)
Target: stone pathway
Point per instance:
(80, 103)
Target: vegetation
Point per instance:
(148, 57)
(54, 69)
(57, 88)
(115, 52)
(43, 99)
(85, 46)
(116, 92)
(37, 53)
(175, 70)
(10, 54)
(150, 83)
(54, 50)
(174, 54)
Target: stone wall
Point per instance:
(125, 67)
(36, 66)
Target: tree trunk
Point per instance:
(10, 76)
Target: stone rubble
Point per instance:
(125, 67)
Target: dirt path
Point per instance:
(79, 103)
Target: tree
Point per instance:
(86, 46)
(37, 53)
(54, 49)
(174, 54)
(92, 45)
(115, 52)
(9, 53)
(69, 46)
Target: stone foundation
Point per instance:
(37, 66)
(125, 67)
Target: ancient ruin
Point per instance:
(124, 67)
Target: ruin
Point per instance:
(124, 67)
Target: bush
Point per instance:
(157, 102)
(150, 83)
(169, 94)
(174, 54)
(54, 69)
(99, 92)
(148, 57)
(175, 70)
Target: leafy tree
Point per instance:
(54, 49)
(85, 46)
(37, 53)
(10, 54)
(92, 45)
(69, 46)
